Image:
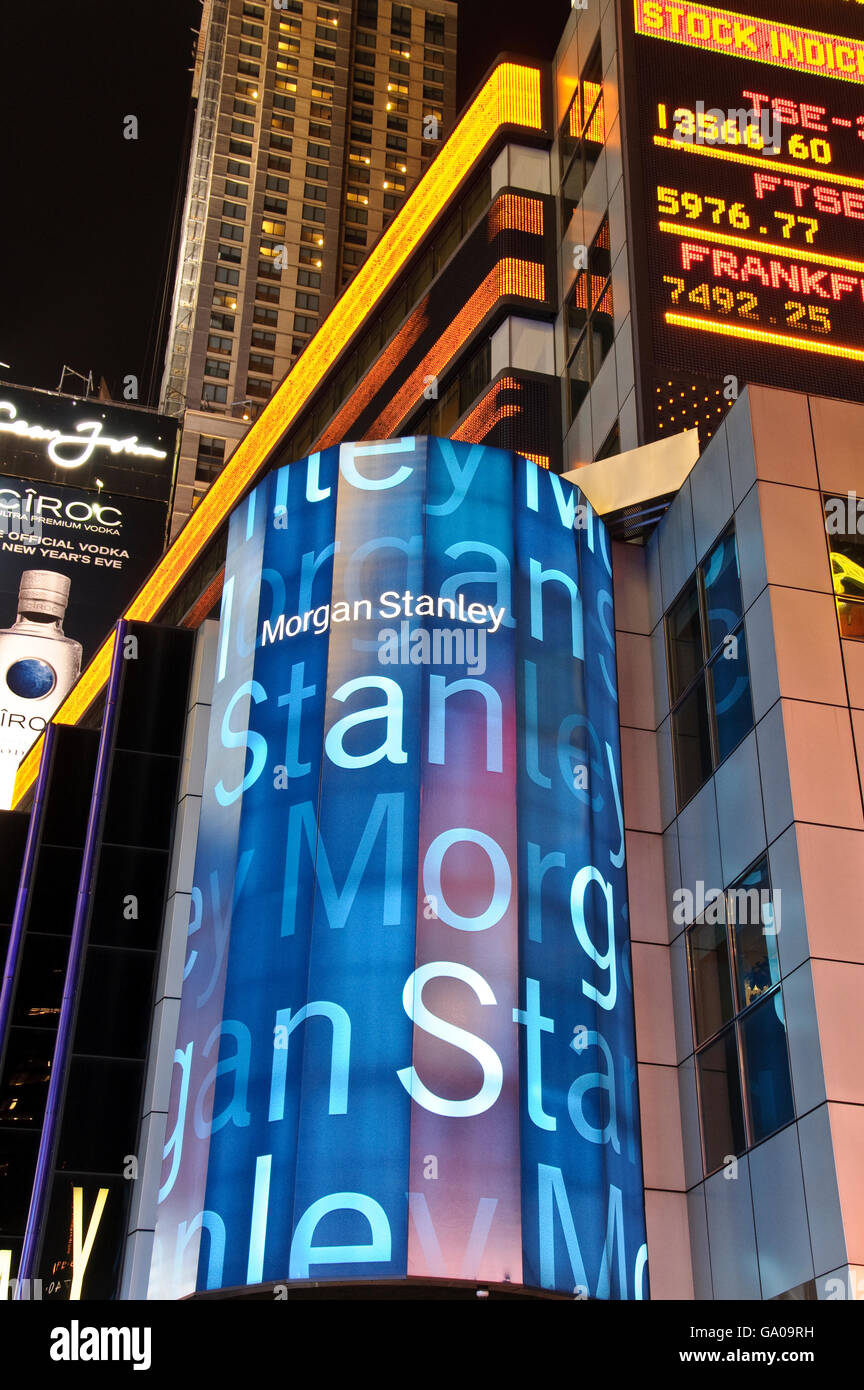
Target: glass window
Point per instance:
(751, 916)
(730, 693)
(235, 167)
(261, 315)
(215, 343)
(236, 190)
(712, 708)
(223, 321)
(211, 392)
(691, 742)
(218, 369)
(684, 640)
(722, 591)
(713, 1005)
(263, 340)
(844, 527)
(765, 1061)
(720, 1101)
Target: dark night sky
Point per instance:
(87, 214)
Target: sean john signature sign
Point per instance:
(406, 1038)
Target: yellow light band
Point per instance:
(758, 335)
(820, 175)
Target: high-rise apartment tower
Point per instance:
(313, 122)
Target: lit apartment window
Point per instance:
(290, 26)
(286, 84)
(310, 255)
(270, 227)
(844, 527)
(246, 89)
(739, 1026)
(289, 46)
(709, 675)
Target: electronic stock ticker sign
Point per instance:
(749, 166)
(406, 1040)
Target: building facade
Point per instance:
(312, 124)
(497, 311)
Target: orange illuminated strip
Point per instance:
(542, 459)
(488, 412)
(509, 277)
(728, 330)
(747, 244)
(822, 175)
(511, 96)
(596, 127)
(512, 212)
(742, 36)
(375, 377)
(575, 126)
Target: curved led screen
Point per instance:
(406, 1041)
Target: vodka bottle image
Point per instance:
(39, 665)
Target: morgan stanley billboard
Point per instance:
(406, 1043)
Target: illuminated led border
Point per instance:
(768, 29)
(511, 96)
(757, 335)
(822, 175)
(745, 244)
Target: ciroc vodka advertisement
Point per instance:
(406, 1044)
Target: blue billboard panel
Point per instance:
(406, 1041)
